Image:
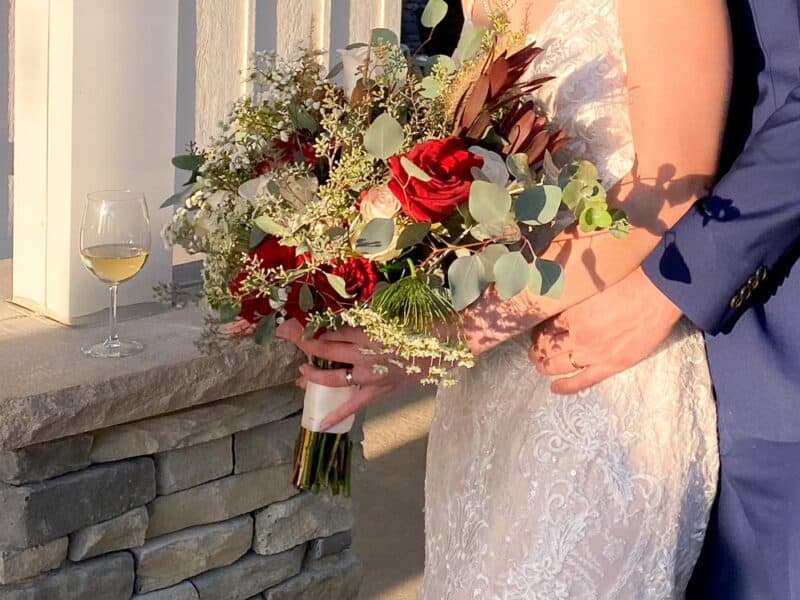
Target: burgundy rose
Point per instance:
(291, 150)
(269, 254)
(449, 164)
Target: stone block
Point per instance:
(107, 578)
(336, 577)
(266, 446)
(195, 425)
(167, 560)
(330, 545)
(18, 565)
(300, 519)
(182, 591)
(183, 468)
(120, 533)
(45, 461)
(249, 575)
(219, 500)
(40, 512)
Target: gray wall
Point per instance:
(6, 150)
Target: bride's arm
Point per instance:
(678, 56)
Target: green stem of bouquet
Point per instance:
(323, 460)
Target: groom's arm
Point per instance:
(715, 258)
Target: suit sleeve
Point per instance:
(713, 261)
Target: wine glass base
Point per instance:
(118, 349)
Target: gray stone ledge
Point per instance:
(220, 500)
(50, 391)
(45, 461)
(182, 591)
(41, 512)
(183, 468)
(120, 533)
(18, 565)
(249, 575)
(168, 560)
(108, 578)
(337, 576)
(266, 446)
(195, 425)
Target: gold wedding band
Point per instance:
(348, 377)
(575, 365)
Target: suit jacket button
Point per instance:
(736, 302)
(746, 293)
(753, 283)
(761, 273)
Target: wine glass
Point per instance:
(115, 243)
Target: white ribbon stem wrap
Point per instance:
(320, 400)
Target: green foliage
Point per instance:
(412, 235)
(228, 312)
(376, 237)
(434, 13)
(546, 278)
(489, 256)
(488, 202)
(265, 330)
(414, 302)
(471, 42)
(538, 205)
(380, 36)
(511, 273)
(384, 137)
(467, 280)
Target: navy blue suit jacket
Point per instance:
(729, 264)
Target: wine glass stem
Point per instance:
(113, 335)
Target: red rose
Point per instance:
(291, 150)
(269, 254)
(449, 164)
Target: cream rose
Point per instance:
(379, 203)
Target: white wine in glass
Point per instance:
(115, 243)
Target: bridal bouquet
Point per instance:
(386, 195)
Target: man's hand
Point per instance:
(604, 335)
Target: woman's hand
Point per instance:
(373, 373)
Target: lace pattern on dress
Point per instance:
(604, 495)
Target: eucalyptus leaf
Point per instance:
(442, 60)
(488, 202)
(489, 256)
(268, 226)
(306, 299)
(505, 231)
(511, 274)
(517, 165)
(413, 170)
(334, 233)
(180, 198)
(575, 192)
(546, 278)
(188, 162)
(581, 170)
(376, 236)
(250, 188)
(538, 205)
(412, 235)
(228, 312)
(338, 284)
(381, 35)
(470, 43)
(478, 175)
(265, 330)
(384, 137)
(431, 88)
(549, 167)
(434, 13)
(257, 236)
(467, 281)
(494, 167)
(334, 72)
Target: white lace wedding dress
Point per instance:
(605, 495)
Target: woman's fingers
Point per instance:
(580, 381)
(561, 364)
(360, 399)
(349, 335)
(362, 375)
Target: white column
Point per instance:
(95, 98)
